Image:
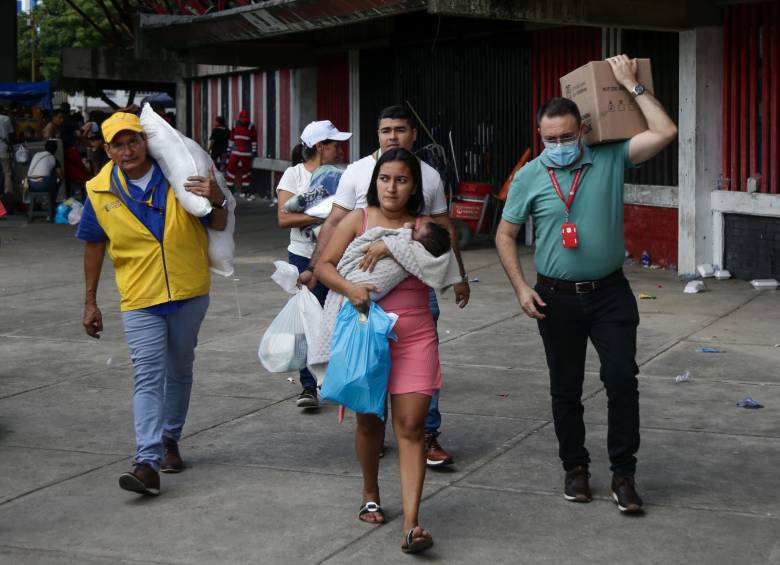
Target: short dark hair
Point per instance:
(50, 146)
(557, 107)
(415, 204)
(437, 241)
(397, 113)
(220, 120)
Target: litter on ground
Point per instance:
(748, 402)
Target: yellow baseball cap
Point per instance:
(120, 121)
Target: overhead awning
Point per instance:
(96, 69)
(268, 19)
(274, 18)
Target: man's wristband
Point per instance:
(220, 206)
(464, 277)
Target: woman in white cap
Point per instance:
(320, 145)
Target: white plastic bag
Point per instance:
(21, 154)
(694, 287)
(222, 247)
(286, 276)
(284, 344)
(76, 208)
(311, 315)
(283, 347)
(176, 160)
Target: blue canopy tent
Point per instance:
(159, 101)
(27, 93)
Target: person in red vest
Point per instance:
(243, 147)
(76, 173)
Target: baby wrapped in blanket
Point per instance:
(424, 253)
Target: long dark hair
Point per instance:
(416, 202)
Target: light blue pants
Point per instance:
(162, 349)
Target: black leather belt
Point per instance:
(582, 287)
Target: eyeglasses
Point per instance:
(561, 140)
(132, 145)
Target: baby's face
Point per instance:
(420, 234)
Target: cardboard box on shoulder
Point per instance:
(608, 110)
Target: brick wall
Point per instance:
(652, 229)
(751, 246)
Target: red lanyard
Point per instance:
(572, 191)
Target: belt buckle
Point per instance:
(584, 287)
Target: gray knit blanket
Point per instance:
(409, 257)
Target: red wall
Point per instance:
(652, 229)
(333, 92)
(556, 52)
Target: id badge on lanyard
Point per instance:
(568, 229)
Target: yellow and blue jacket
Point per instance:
(149, 271)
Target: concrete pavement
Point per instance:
(270, 484)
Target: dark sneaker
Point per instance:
(143, 479)
(308, 398)
(172, 462)
(625, 495)
(576, 487)
(435, 455)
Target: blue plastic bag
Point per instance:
(360, 360)
(61, 214)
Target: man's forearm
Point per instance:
(445, 221)
(326, 232)
(93, 264)
(657, 119)
(218, 218)
(506, 246)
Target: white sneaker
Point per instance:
(273, 203)
(251, 197)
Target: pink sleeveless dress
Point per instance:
(414, 358)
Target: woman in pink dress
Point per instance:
(394, 199)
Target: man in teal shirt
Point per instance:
(574, 194)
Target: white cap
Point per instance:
(321, 131)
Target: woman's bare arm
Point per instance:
(325, 269)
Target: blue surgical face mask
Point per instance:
(563, 154)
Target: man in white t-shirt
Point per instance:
(397, 129)
(44, 174)
(43, 163)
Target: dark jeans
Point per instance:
(609, 317)
(48, 184)
(320, 291)
(433, 420)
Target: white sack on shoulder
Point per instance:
(167, 147)
(222, 247)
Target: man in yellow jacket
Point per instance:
(160, 257)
